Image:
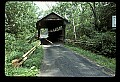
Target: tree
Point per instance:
(106, 11)
(93, 8)
(20, 17)
(65, 8)
(90, 24)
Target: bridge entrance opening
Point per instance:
(55, 28)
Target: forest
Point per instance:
(90, 29)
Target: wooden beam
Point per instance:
(38, 34)
(49, 41)
(63, 33)
(18, 62)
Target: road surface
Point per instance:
(61, 62)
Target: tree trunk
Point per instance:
(74, 31)
(93, 8)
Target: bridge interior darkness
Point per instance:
(56, 28)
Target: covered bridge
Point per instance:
(55, 25)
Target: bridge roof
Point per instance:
(53, 20)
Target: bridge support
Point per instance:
(63, 32)
(38, 34)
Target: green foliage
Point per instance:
(101, 43)
(20, 17)
(108, 44)
(20, 22)
(92, 23)
(9, 39)
(14, 55)
(88, 31)
(10, 71)
(34, 59)
(105, 13)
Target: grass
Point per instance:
(99, 59)
(20, 71)
(30, 67)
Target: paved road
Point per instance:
(61, 62)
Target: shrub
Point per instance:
(16, 48)
(9, 40)
(109, 44)
(34, 59)
(88, 31)
(14, 55)
(100, 43)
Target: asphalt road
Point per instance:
(61, 62)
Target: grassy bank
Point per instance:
(99, 59)
(30, 67)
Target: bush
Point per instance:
(34, 59)
(14, 55)
(9, 40)
(29, 68)
(88, 31)
(109, 44)
(16, 48)
(101, 43)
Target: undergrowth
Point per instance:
(18, 48)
